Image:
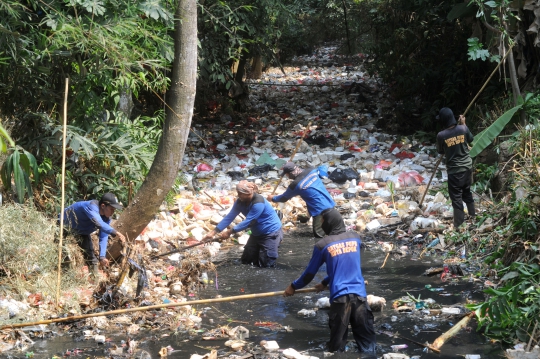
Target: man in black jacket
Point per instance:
(453, 143)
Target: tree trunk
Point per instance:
(168, 160)
(256, 68)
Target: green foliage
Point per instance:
(179, 182)
(513, 307)
(103, 158)
(483, 176)
(476, 51)
(20, 165)
(484, 138)
(5, 139)
(423, 57)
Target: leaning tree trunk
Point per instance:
(180, 99)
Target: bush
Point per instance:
(29, 254)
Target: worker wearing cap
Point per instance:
(340, 252)
(453, 142)
(262, 246)
(84, 217)
(308, 185)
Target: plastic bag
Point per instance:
(338, 176)
(260, 170)
(235, 175)
(351, 174)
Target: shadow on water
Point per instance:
(396, 279)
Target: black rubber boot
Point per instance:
(459, 217)
(471, 210)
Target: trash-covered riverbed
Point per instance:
(277, 318)
(378, 181)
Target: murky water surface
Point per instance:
(396, 279)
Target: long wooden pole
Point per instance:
(184, 248)
(430, 179)
(464, 113)
(219, 204)
(158, 306)
(59, 279)
(293, 154)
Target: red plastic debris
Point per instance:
(203, 167)
(394, 145)
(404, 154)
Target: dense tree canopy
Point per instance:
(118, 56)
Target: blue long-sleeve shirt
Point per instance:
(261, 218)
(310, 188)
(341, 253)
(84, 218)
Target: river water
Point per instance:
(396, 279)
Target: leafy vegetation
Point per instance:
(20, 165)
(505, 243)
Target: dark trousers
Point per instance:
(317, 226)
(318, 220)
(459, 189)
(85, 242)
(355, 310)
(262, 250)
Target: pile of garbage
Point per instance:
(377, 181)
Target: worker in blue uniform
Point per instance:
(84, 217)
(308, 185)
(262, 246)
(340, 251)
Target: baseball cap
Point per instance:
(111, 200)
(288, 168)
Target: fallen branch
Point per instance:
(158, 306)
(184, 248)
(439, 342)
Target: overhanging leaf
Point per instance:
(510, 275)
(482, 140)
(18, 175)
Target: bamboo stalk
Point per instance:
(430, 179)
(124, 266)
(293, 154)
(59, 278)
(158, 306)
(219, 204)
(184, 248)
(438, 343)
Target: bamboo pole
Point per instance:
(438, 343)
(184, 248)
(293, 154)
(219, 204)
(430, 179)
(158, 306)
(59, 278)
